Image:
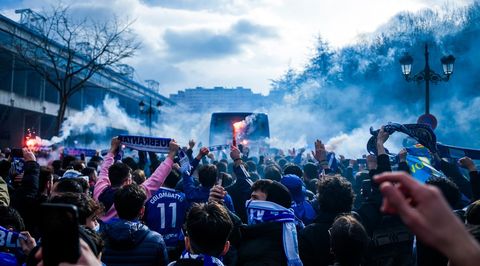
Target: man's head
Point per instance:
(449, 189)
(129, 202)
(335, 194)
(64, 185)
(272, 172)
(266, 189)
(45, 180)
(88, 208)
(207, 228)
(119, 174)
(295, 186)
(310, 171)
(138, 176)
(472, 216)
(348, 240)
(11, 219)
(207, 175)
(292, 169)
(172, 179)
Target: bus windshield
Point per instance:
(256, 128)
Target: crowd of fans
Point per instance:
(292, 209)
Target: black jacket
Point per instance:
(132, 243)
(314, 241)
(262, 244)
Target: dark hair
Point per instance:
(86, 206)
(449, 189)
(221, 167)
(67, 161)
(138, 176)
(310, 171)
(130, 162)
(68, 185)
(9, 217)
(348, 240)
(472, 215)
(282, 162)
(129, 200)
(46, 174)
(207, 175)
(208, 227)
(117, 173)
(272, 172)
(57, 165)
(87, 171)
(227, 180)
(335, 194)
(276, 192)
(78, 165)
(93, 164)
(172, 179)
(292, 169)
(251, 166)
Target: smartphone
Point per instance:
(59, 234)
(17, 161)
(366, 188)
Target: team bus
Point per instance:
(253, 133)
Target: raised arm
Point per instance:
(103, 182)
(156, 180)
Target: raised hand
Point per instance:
(466, 162)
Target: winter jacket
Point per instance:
(103, 185)
(132, 243)
(240, 191)
(262, 244)
(314, 241)
(24, 199)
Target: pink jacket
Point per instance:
(150, 185)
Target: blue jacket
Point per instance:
(132, 243)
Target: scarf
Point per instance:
(260, 211)
(422, 133)
(10, 239)
(141, 143)
(207, 260)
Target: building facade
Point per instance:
(221, 99)
(28, 101)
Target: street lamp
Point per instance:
(427, 74)
(149, 112)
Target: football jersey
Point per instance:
(165, 213)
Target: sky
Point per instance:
(190, 43)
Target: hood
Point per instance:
(122, 234)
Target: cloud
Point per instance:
(208, 44)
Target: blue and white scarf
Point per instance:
(142, 143)
(207, 260)
(260, 211)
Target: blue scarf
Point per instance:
(10, 238)
(260, 211)
(207, 260)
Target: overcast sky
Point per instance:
(189, 43)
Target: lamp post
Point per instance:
(427, 74)
(149, 112)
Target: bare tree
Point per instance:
(67, 51)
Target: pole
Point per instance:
(150, 111)
(427, 82)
